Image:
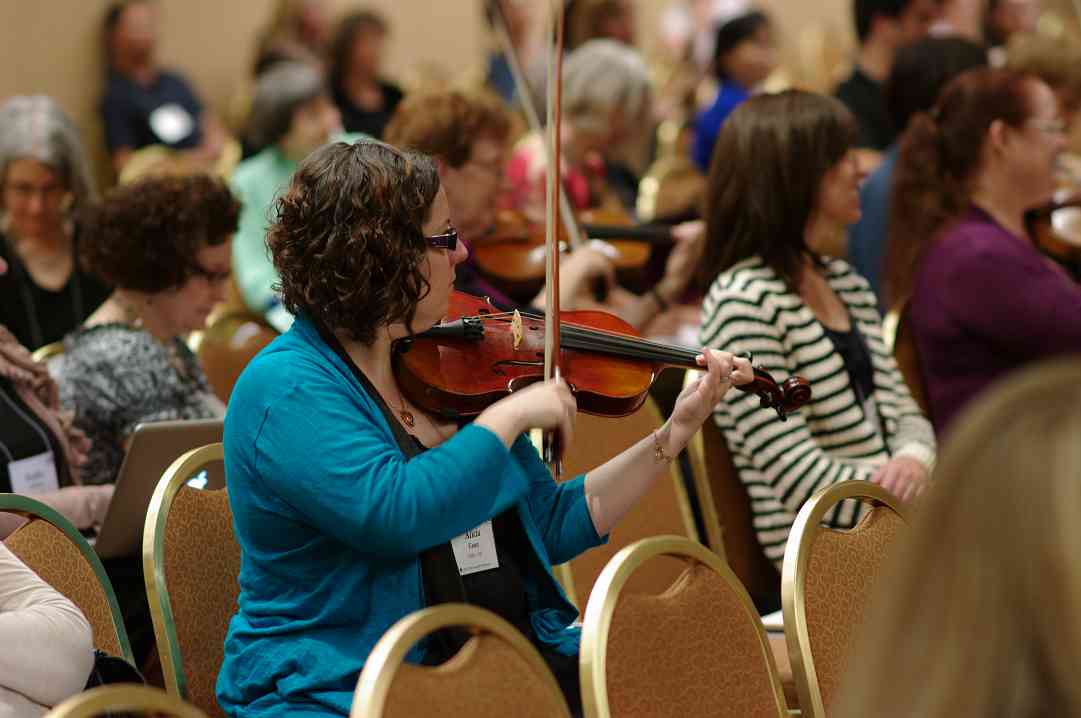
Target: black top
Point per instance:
(857, 358)
(165, 112)
(864, 97)
(38, 316)
(355, 119)
(23, 434)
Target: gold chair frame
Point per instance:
(48, 351)
(797, 555)
(373, 686)
(34, 509)
(124, 697)
(157, 590)
(593, 655)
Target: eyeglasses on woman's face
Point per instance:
(448, 240)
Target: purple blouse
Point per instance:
(986, 302)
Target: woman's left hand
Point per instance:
(698, 399)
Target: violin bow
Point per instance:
(525, 99)
(552, 444)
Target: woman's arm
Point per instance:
(615, 486)
(48, 644)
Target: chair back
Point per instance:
(125, 699)
(664, 509)
(231, 339)
(826, 581)
(48, 351)
(497, 672)
(695, 649)
(899, 339)
(190, 563)
(58, 553)
(672, 186)
(726, 511)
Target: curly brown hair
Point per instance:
(447, 123)
(144, 236)
(348, 239)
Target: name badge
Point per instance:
(171, 123)
(475, 550)
(34, 475)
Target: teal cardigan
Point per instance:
(331, 519)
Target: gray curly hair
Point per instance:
(278, 93)
(34, 127)
(601, 75)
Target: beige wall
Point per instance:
(52, 46)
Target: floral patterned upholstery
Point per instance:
(841, 570)
(486, 679)
(694, 650)
(52, 555)
(201, 564)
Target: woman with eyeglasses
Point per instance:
(981, 299)
(44, 182)
(353, 507)
(164, 244)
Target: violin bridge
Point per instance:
(516, 329)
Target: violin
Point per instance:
(513, 253)
(1055, 229)
(479, 354)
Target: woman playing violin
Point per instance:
(348, 499)
(784, 182)
(466, 133)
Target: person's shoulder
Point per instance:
(118, 89)
(110, 342)
(259, 179)
(174, 78)
(749, 283)
(976, 236)
(105, 353)
(847, 282)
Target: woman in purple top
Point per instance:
(982, 300)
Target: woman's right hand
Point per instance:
(544, 405)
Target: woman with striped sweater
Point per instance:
(783, 185)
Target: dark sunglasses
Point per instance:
(448, 240)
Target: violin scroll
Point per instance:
(784, 398)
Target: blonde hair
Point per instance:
(1055, 60)
(600, 76)
(980, 613)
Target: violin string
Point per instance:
(598, 339)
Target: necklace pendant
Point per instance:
(407, 418)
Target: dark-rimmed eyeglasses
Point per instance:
(210, 276)
(448, 240)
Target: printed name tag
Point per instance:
(34, 475)
(475, 550)
(171, 123)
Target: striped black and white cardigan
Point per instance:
(750, 309)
